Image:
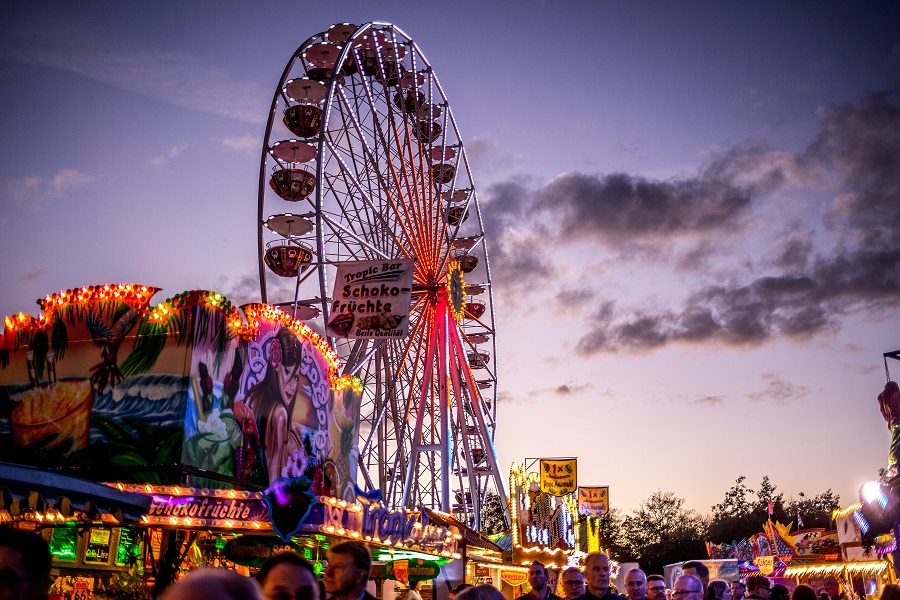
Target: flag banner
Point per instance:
(371, 299)
(559, 476)
(593, 501)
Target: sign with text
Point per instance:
(559, 476)
(514, 578)
(371, 299)
(593, 501)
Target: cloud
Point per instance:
(77, 44)
(32, 274)
(38, 193)
(797, 284)
(715, 401)
(165, 157)
(779, 391)
(245, 144)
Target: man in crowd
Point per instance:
(596, 574)
(656, 587)
(349, 564)
(537, 579)
(24, 565)
(758, 588)
(210, 583)
(699, 570)
(572, 580)
(636, 584)
(737, 590)
(687, 587)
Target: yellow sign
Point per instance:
(766, 564)
(593, 501)
(559, 476)
(514, 578)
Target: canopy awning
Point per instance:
(470, 536)
(23, 487)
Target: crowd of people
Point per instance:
(25, 575)
(693, 584)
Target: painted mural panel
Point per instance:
(190, 391)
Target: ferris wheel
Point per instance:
(362, 161)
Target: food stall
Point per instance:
(192, 402)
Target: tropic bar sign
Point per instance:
(374, 522)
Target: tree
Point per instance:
(815, 511)
(661, 531)
(739, 516)
(732, 519)
(612, 535)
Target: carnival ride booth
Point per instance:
(830, 561)
(90, 527)
(193, 402)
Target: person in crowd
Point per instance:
(413, 593)
(687, 587)
(698, 570)
(718, 590)
(758, 588)
(288, 576)
(481, 592)
(779, 592)
(889, 592)
(737, 590)
(348, 569)
(656, 587)
(24, 565)
(572, 580)
(537, 579)
(636, 584)
(596, 575)
(804, 592)
(211, 583)
(460, 588)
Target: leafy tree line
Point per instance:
(662, 531)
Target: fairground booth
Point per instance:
(144, 440)
(554, 521)
(830, 561)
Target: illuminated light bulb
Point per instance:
(229, 523)
(176, 490)
(145, 519)
(173, 521)
(187, 521)
(255, 524)
(231, 494)
(148, 489)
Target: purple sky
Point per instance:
(691, 207)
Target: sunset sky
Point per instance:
(691, 207)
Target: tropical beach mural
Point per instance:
(191, 391)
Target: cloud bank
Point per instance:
(789, 276)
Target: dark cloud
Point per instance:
(573, 298)
(863, 142)
(806, 294)
(612, 207)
